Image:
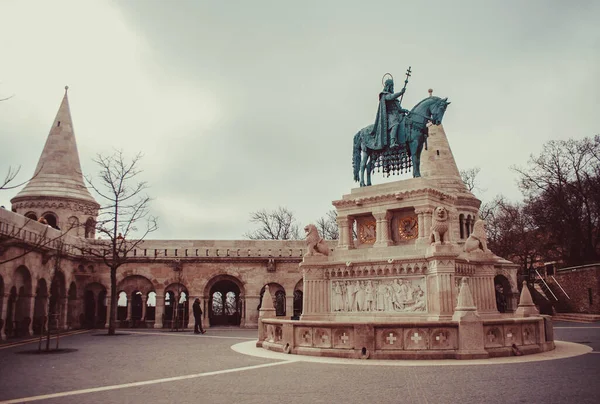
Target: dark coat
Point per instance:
(197, 310)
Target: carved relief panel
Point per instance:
(366, 230)
(391, 295)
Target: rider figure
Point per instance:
(390, 116)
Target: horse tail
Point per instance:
(356, 157)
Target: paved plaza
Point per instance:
(221, 366)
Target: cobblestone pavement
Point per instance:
(150, 366)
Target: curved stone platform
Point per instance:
(409, 339)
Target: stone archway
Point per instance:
(133, 291)
(225, 301)
(22, 302)
(94, 306)
(503, 294)
(176, 312)
(58, 304)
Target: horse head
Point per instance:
(438, 109)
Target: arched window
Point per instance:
(31, 215)
(51, 220)
(90, 228)
(461, 221)
(468, 225)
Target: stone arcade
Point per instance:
(417, 282)
(155, 288)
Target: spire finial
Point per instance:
(66, 89)
(430, 91)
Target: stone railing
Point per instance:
(20, 228)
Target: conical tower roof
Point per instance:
(58, 173)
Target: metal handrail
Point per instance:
(561, 288)
(545, 284)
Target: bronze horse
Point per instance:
(431, 109)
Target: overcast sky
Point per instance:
(239, 106)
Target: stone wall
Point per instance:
(582, 284)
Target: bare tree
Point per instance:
(328, 226)
(469, 177)
(10, 176)
(562, 190)
(279, 224)
(127, 207)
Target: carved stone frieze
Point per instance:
(394, 197)
(390, 295)
(75, 206)
(377, 269)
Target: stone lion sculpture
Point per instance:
(439, 226)
(315, 245)
(478, 239)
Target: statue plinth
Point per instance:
(390, 289)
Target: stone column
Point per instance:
(3, 315)
(129, 308)
(421, 222)
(159, 311)
(108, 309)
(251, 303)
(144, 302)
(342, 223)
(31, 299)
(427, 224)
(383, 228)
(64, 302)
(345, 224)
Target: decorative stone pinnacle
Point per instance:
(465, 298)
(66, 88)
(526, 306)
(430, 91)
(267, 300)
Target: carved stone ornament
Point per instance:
(390, 295)
(315, 245)
(367, 231)
(477, 241)
(439, 226)
(408, 228)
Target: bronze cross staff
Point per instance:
(405, 83)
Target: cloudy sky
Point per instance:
(243, 105)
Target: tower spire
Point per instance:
(58, 180)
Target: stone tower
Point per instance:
(57, 192)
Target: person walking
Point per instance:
(197, 317)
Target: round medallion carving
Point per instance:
(408, 228)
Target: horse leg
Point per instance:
(363, 164)
(416, 147)
(369, 170)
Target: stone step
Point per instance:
(579, 317)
